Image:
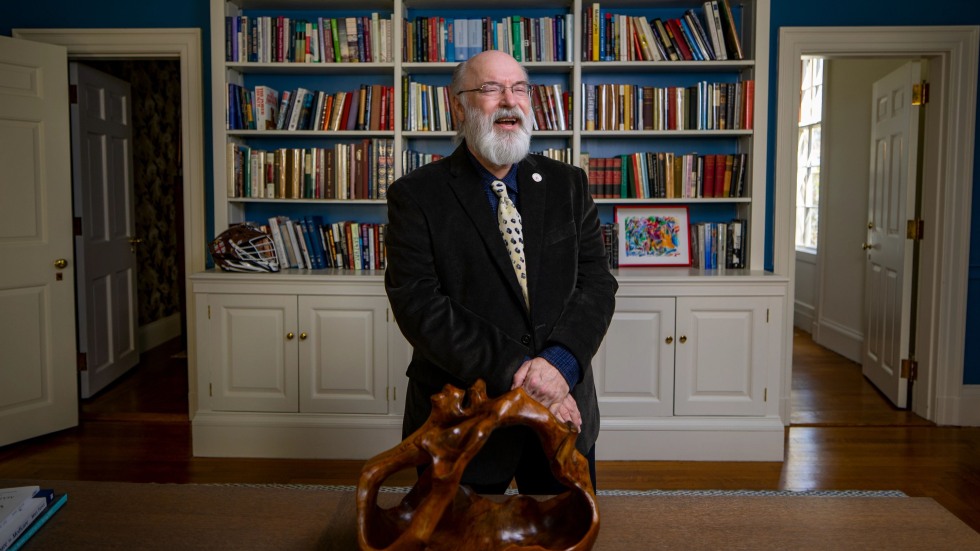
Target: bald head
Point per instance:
(474, 71)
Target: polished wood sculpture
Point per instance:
(439, 514)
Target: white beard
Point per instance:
(499, 148)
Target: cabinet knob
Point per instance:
(289, 336)
(683, 339)
(61, 263)
(302, 336)
(669, 340)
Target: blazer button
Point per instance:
(526, 339)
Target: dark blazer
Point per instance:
(456, 299)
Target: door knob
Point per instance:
(61, 263)
(669, 340)
(289, 336)
(867, 246)
(683, 339)
(302, 336)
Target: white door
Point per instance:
(891, 203)
(38, 390)
(343, 352)
(634, 367)
(102, 174)
(723, 353)
(253, 346)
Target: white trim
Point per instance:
(942, 306)
(185, 45)
(157, 332)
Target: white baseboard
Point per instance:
(842, 340)
(969, 406)
(157, 332)
(803, 316)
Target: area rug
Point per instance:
(668, 493)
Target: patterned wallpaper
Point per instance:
(155, 86)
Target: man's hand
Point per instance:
(567, 412)
(543, 382)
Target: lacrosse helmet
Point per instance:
(244, 248)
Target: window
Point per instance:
(808, 155)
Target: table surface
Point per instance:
(114, 515)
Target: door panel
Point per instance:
(891, 203)
(634, 367)
(103, 195)
(38, 389)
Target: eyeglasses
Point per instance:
(495, 89)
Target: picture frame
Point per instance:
(654, 235)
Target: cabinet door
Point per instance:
(723, 354)
(254, 353)
(634, 367)
(343, 354)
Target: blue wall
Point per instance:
(194, 13)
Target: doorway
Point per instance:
(154, 86)
(183, 46)
(940, 327)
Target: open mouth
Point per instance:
(507, 122)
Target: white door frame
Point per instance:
(944, 261)
(185, 46)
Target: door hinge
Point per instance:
(82, 361)
(765, 394)
(76, 226)
(73, 94)
(209, 311)
(910, 369)
(767, 315)
(920, 93)
(210, 390)
(915, 229)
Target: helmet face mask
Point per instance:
(244, 248)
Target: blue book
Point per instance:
(450, 40)
(52, 508)
(311, 231)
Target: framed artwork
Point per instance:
(654, 236)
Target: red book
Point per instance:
(674, 29)
(345, 114)
(720, 175)
(749, 104)
(710, 169)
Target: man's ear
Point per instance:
(459, 111)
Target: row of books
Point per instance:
(267, 39)
(438, 39)
(708, 36)
(370, 107)
(310, 243)
(562, 154)
(358, 170)
(717, 245)
(414, 159)
(552, 107)
(704, 106)
(610, 240)
(425, 107)
(23, 510)
(664, 175)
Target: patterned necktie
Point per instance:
(509, 222)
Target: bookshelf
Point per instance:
(686, 303)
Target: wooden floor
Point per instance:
(844, 436)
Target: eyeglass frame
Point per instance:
(487, 93)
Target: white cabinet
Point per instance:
(690, 367)
(295, 366)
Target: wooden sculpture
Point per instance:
(439, 514)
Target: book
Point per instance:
(266, 107)
(53, 507)
(13, 500)
(733, 46)
(30, 509)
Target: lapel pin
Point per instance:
(536, 177)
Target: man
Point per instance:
(453, 282)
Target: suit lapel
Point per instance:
(464, 181)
